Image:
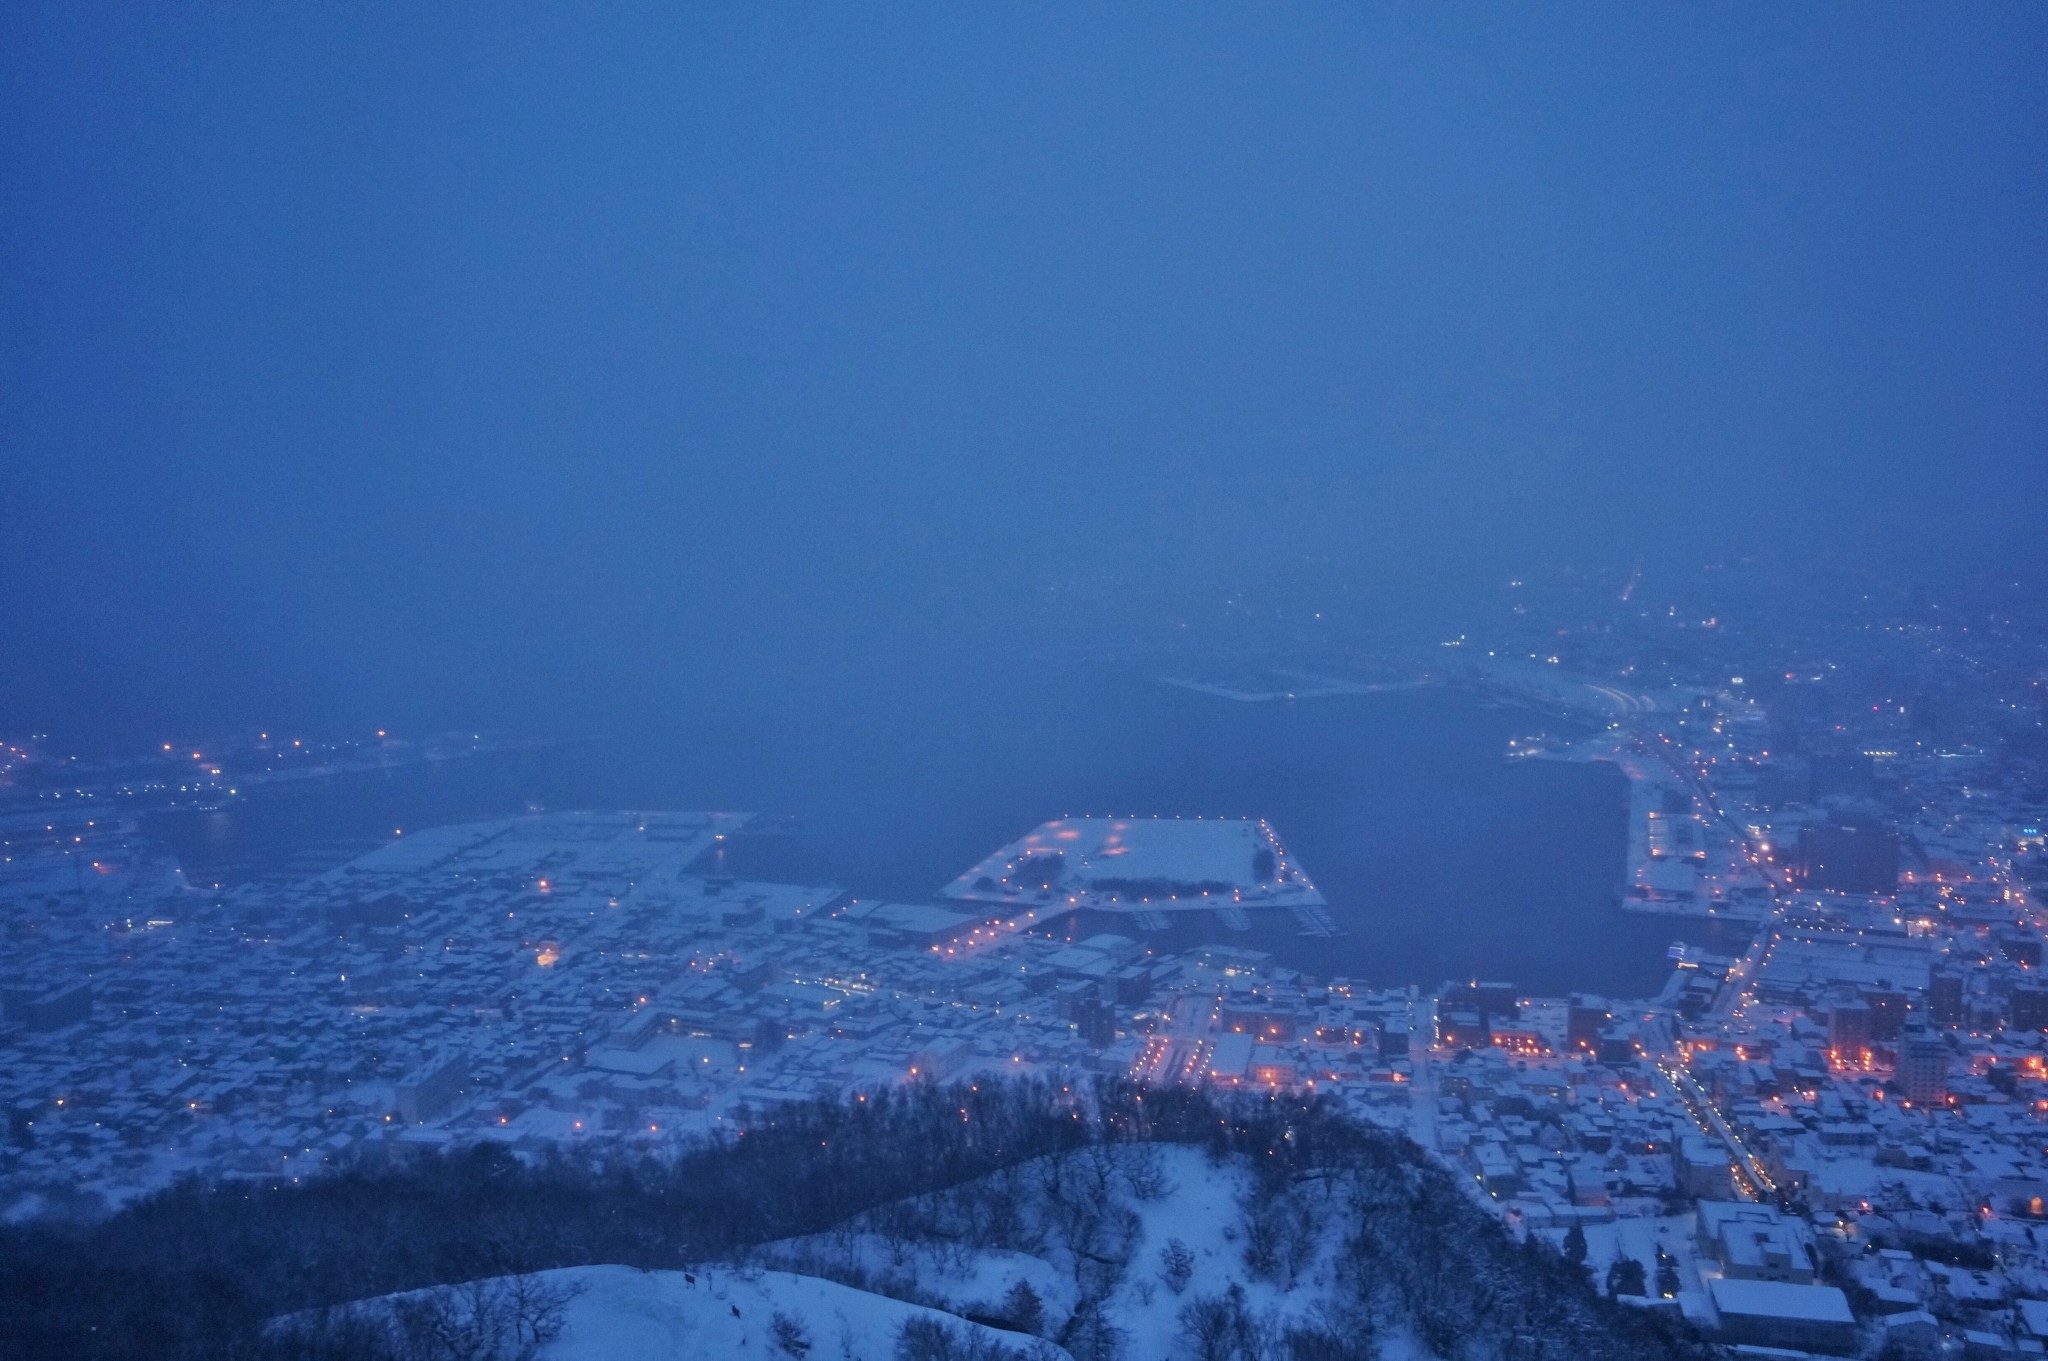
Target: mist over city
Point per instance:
(1032, 684)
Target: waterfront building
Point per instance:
(1585, 1018)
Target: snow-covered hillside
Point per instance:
(1142, 1252)
(616, 1313)
(629, 1315)
(1157, 1252)
(1256, 1231)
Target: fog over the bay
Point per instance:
(450, 364)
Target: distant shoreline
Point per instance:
(1312, 687)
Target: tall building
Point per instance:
(2020, 948)
(2029, 1008)
(1462, 1028)
(1393, 1042)
(1923, 1065)
(1849, 1031)
(1584, 1020)
(1945, 997)
(1887, 1012)
(1848, 857)
(1494, 1001)
(432, 1089)
(1784, 781)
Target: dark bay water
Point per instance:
(1439, 859)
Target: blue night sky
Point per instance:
(438, 360)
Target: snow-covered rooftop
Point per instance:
(1155, 863)
(1777, 1299)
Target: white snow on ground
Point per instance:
(625, 1314)
(1640, 1239)
(966, 1280)
(1202, 1211)
(1200, 1206)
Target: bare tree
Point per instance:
(789, 1335)
(1176, 1265)
(923, 1338)
(1145, 1171)
(467, 1322)
(539, 1311)
(1210, 1326)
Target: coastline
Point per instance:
(1654, 882)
